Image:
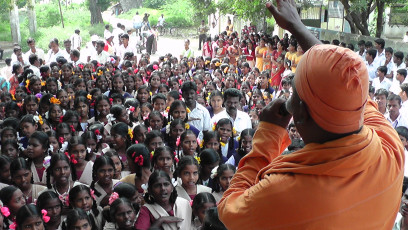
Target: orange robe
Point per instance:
(351, 183)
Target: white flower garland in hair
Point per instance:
(110, 118)
(214, 172)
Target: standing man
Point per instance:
(394, 116)
(160, 21)
(34, 50)
(125, 47)
(202, 30)
(137, 22)
(76, 40)
(351, 152)
(55, 52)
(213, 31)
(101, 56)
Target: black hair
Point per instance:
(113, 208)
(99, 162)
(125, 190)
(150, 135)
(73, 216)
(158, 96)
(123, 130)
(167, 137)
(97, 100)
(251, 133)
(159, 151)
(402, 131)
(72, 195)
(389, 50)
(20, 164)
(135, 151)
(382, 69)
(380, 42)
(399, 55)
(27, 211)
(372, 53)
(225, 121)
(175, 105)
(232, 92)
(220, 170)
(155, 113)
(45, 197)
(4, 160)
(212, 221)
(185, 161)
(381, 91)
(403, 72)
(6, 194)
(188, 85)
(148, 197)
(200, 199)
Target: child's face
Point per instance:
(118, 83)
(125, 216)
(66, 72)
(10, 151)
(155, 81)
(156, 123)
(201, 211)
(176, 131)
(118, 140)
(53, 207)
(31, 107)
(169, 101)
(22, 179)
(404, 141)
(5, 176)
(103, 107)
(189, 145)
(17, 201)
(117, 163)
(61, 172)
(206, 169)
(54, 143)
(35, 149)
(8, 135)
(79, 151)
(159, 105)
(164, 161)
(82, 109)
(388, 56)
(28, 128)
(91, 144)
(155, 143)
(216, 102)
(225, 179)
(142, 96)
(105, 173)
(225, 132)
(81, 86)
(83, 200)
(63, 97)
(213, 143)
(253, 115)
(189, 176)
(161, 190)
(82, 224)
(246, 144)
(55, 114)
(179, 113)
(66, 134)
(124, 117)
(141, 135)
(45, 127)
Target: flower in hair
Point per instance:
(47, 160)
(188, 110)
(178, 141)
(13, 225)
(222, 144)
(61, 140)
(151, 154)
(130, 133)
(150, 93)
(45, 217)
(111, 100)
(234, 131)
(217, 64)
(214, 172)
(131, 109)
(89, 96)
(155, 67)
(72, 128)
(40, 120)
(214, 126)
(136, 141)
(145, 187)
(5, 211)
(61, 118)
(176, 160)
(198, 159)
(54, 100)
(139, 160)
(113, 197)
(100, 72)
(187, 126)
(43, 83)
(201, 144)
(93, 194)
(73, 160)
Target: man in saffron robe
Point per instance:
(348, 176)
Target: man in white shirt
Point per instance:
(125, 47)
(55, 52)
(394, 116)
(213, 31)
(239, 119)
(381, 82)
(76, 40)
(199, 116)
(398, 63)
(101, 56)
(116, 33)
(160, 21)
(34, 64)
(388, 62)
(137, 22)
(106, 32)
(75, 55)
(18, 57)
(362, 51)
(34, 50)
(379, 44)
(187, 52)
(371, 64)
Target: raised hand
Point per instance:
(285, 13)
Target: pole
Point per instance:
(62, 19)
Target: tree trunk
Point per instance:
(357, 19)
(380, 18)
(14, 22)
(96, 15)
(353, 27)
(32, 18)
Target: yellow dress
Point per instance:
(259, 60)
(295, 60)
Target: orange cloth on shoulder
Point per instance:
(333, 82)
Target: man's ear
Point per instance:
(303, 114)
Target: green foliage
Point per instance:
(47, 14)
(154, 4)
(246, 9)
(154, 14)
(5, 31)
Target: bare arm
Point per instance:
(286, 16)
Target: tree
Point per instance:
(14, 22)
(96, 13)
(32, 19)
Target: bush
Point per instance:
(154, 4)
(5, 31)
(47, 14)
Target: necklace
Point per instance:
(59, 194)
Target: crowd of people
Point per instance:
(115, 140)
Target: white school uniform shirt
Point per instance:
(384, 84)
(52, 57)
(102, 58)
(379, 58)
(390, 66)
(38, 51)
(241, 122)
(36, 70)
(200, 118)
(372, 70)
(86, 176)
(400, 121)
(396, 86)
(122, 50)
(76, 41)
(362, 56)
